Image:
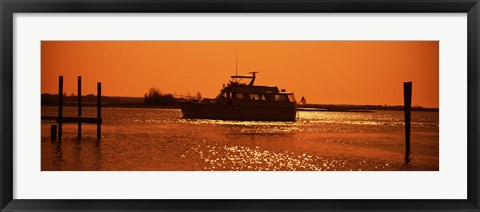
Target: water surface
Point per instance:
(160, 140)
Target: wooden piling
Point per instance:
(79, 82)
(60, 107)
(53, 132)
(99, 110)
(407, 99)
(57, 135)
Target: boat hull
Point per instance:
(195, 110)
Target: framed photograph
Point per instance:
(239, 105)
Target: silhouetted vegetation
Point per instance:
(91, 100)
(155, 97)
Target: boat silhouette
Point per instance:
(244, 102)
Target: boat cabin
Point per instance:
(244, 101)
(238, 92)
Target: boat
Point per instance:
(244, 102)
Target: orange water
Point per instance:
(160, 140)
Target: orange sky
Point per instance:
(325, 72)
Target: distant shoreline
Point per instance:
(138, 102)
(94, 104)
(307, 108)
(359, 108)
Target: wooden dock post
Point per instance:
(99, 110)
(60, 107)
(407, 99)
(57, 135)
(53, 132)
(79, 82)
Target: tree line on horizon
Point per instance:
(52, 99)
(155, 97)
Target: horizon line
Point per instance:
(333, 104)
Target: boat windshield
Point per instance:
(222, 95)
(285, 97)
(291, 97)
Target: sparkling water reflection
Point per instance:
(159, 139)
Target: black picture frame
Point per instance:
(9, 7)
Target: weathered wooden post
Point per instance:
(99, 110)
(53, 132)
(79, 82)
(60, 107)
(60, 119)
(407, 99)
